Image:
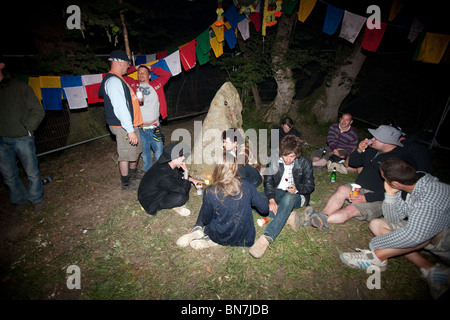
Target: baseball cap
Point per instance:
(119, 55)
(387, 134)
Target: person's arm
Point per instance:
(306, 178)
(35, 112)
(163, 76)
(114, 90)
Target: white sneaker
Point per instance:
(194, 233)
(362, 260)
(182, 211)
(202, 243)
(438, 278)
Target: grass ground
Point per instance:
(123, 253)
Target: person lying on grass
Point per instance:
(225, 217)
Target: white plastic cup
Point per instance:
(199, 189)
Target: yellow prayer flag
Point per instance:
(35, 84)
(397, 5)
(216, 46)
(433, 47)
(218, 31)
(50, 81)
(305, 8)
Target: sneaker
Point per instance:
(202, 243)
(294, 220)
(195, 232)
(438, 280)
(182, 211)
(363, 259)
(319, 221)
(260, 246)
(340, 167)
(305, 220)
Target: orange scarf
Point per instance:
(137, 116)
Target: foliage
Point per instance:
(82, 62)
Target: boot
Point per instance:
(127, 184)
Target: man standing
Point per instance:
(20, 115)
(123, 115)
(287, 189)
(342, 139)
(416, 213)
(152, 93)
(366, 205)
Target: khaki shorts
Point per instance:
(439, 245)
(125, 150)
(369, 210)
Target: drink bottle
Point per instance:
(333, 175)
(47, 180)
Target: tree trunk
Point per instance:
(283, 74)
(125, 32)
(327, 105)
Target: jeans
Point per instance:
(25, 150)
(286, 203)
(148, 143)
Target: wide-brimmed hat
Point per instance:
(173, 151)
(387, 134)
(119, 55)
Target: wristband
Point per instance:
(186, 171)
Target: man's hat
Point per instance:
(119, 55)
(387, 134)
(173, 151)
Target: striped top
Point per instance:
(347, 140)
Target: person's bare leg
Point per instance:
(380, 227)
(337, 200)
(124, 168)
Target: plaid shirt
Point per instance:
(427, 210)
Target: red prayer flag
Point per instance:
(372, 37)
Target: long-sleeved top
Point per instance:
(347, 140)
(20, 110)
(302, 174)
(427, 209)
(231, 222)
(158, 84)
(370, 177)
(121, 107)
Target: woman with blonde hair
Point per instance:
(225, 217)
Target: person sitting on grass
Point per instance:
(416, 211)
(286, 189)
(248, 167)
(367, 204)
(225, 217)
(164, 185)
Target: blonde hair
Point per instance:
(226, 179)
